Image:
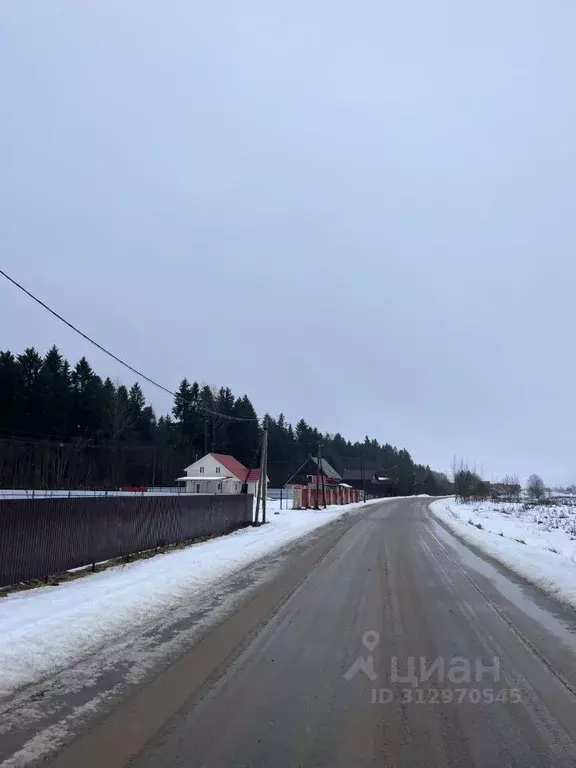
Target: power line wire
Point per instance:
(118, 359)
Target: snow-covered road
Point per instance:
(47, 629)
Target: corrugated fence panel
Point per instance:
(42, 537)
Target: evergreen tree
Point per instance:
(182, 401)
(429, 483)
(167, 463)
(136, 402)
(244, 435)
(142, 417)
(87, 401)
(9, 393)
(55, 395)
(206, 404)
(28, 394)
(277, 464)
(108, 403)
(121, 423)
(224, 405)
(190, 426)
(303, 434)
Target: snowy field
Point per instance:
(47, 629)
(538, 543)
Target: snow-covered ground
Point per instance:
(47, 629)
(538, 543)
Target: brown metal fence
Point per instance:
(43, 537)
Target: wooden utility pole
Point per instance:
(259, 487)
(264, 470)
(262, 491)
(319, 459)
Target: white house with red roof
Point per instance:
(219, 473)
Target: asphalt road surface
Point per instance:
(365, 652)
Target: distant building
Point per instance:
(376, 482)
(309, 472)
(220, 473)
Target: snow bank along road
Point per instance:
(537, 542)
(382, 640)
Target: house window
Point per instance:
(219, 486)
(197, 487)
(201, 470)
(218, 470)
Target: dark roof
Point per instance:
(327, 468)
(371, 475)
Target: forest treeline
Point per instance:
(67, 427)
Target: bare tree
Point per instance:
(468, 485)
(511, 488)
(535, 487)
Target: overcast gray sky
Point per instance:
(362, 214)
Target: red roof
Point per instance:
(253, 476)
(237, 469)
